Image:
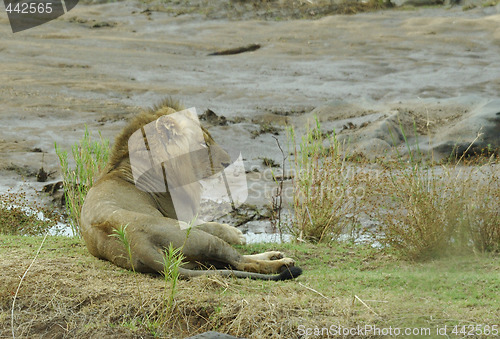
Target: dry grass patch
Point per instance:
(428, 211)
(327, 187)
(20, 216)
(423, 209)
(70, 294)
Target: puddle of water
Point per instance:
(362, 239)
(62, 229)
(253, 238)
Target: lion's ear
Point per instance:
(168, 128)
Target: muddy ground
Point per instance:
(100, 64)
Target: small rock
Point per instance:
(42, 175)
(477, 131)
(213, 118)
(399, 3)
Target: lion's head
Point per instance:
(168, 154)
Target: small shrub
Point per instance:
(18, 216)
(324, 186)
(90, 158)
(172, 260)
(481, 215)
(428, 211)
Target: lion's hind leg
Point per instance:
(200, 246)
(250, 264)
(271, 255)
(149, 236)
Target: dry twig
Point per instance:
(312, 289)
(368, 307)
(19, 286)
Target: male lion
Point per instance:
(117, 201)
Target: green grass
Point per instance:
(325, 186)
(90, 157)
(172, 260)
(96, 298)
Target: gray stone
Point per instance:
(399, 3)
(379, 137)
(482, 123)
(471, 126)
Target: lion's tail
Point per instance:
(288, 273)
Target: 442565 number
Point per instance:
(29, 8)
(475, 330)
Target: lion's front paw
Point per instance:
(237, 235)
(275, 255)
(243, 239)
(226, 232)
(287, 262)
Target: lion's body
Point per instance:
(150, 218)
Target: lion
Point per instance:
(149, 219)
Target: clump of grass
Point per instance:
(121, 235)
(428, 211)
(423, 210)
(324, 186)
(412, 207)
(476, 206)
(172, 260)
(90, 157)
(18, 216)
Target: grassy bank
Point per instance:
(69, 293)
